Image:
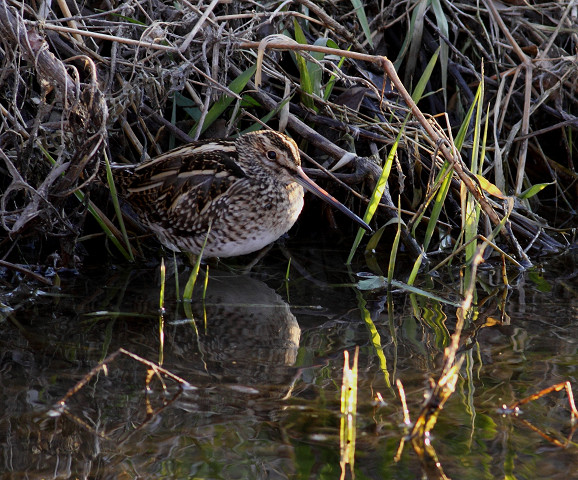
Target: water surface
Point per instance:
(257, 369)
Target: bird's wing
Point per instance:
(175, 188)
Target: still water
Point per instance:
(252, 373)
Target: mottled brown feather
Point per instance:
(215, 172)
(247, 192)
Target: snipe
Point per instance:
(245, 192)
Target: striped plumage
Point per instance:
(248, 191)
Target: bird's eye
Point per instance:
(272, 154)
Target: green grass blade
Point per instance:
(316, 72)
(484, 143)
(332, 80)
(314, 68)
(375, 282)
(360, 12)
(221, 105)
(478, 101)
(163, 282)
(162, 312)
(461, 135)
(376, 196)
(375, 238)
(100, 218)
(265, 119)
(347, 430)
(446, 170)
(205, 286)
(116, 205)
(190, 285)
(406, 41)
(306, 82)
(415, 269)
(534, 190)
(382, 182)
(413, 39)
(471, 212)
(424, 79)
(442, 23)
(438, 204)
(395, 245)
(375, 338)
(122, 17)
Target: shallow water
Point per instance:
(257, 374)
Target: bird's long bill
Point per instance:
(308, 184)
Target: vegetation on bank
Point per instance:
(488, 150)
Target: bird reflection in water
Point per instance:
(247, 332)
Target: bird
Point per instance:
(222, 197)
